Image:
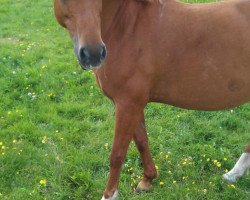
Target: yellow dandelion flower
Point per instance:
(14, 141)
(1, 143)
(174, 181)
(218, 164)
(215, 161)
(225, 159)
(44, 139)
(184, 163)
(208, 159)
(232, 186)
(43, 182)
(166, 156)
(3, 153)
(3, 147)
(130, 169)
(162, 183)
(106, 145)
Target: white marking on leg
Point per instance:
(114, 197)
(239, 169)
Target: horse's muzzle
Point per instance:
(91, 57)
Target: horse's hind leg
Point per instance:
(150, 173)
(240, 168)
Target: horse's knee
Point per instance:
(116, 159)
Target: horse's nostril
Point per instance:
(91, 56)
(84, 54)
(103, 52)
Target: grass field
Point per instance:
(56, 127)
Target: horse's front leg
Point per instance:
(127, 117)
(150, 173)
(240, 168)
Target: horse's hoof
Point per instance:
(138, 190)
(230, 177)
(114, 197)
(142, 188)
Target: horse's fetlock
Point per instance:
(151, 174)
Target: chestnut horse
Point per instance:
(190, 56)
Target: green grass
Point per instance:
(56, 125)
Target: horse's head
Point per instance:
(82, 18)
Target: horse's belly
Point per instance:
(204, 102)
(204, 93)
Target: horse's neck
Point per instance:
(119, 18)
